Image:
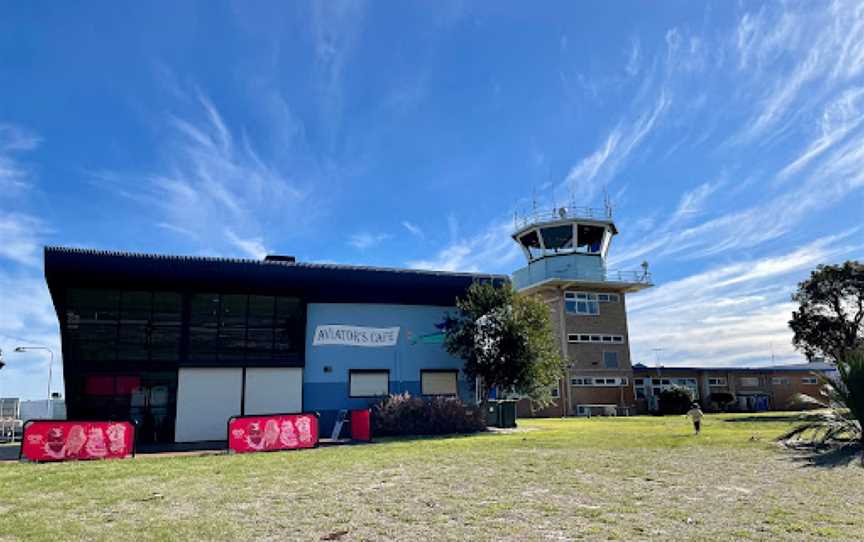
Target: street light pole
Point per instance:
(50, 361)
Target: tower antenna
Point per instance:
(607, 203)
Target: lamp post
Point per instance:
(50, 361)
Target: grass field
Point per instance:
(598, 479)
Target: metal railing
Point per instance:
(561, 213)
(526, 276)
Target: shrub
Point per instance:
(675, 400)
(402, 414)
(722, 398)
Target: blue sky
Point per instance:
(728, 136)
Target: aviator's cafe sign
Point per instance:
(339, 335)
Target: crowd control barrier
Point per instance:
(272, 432)
(56, 440)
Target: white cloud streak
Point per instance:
(215, 189)
(365, 240)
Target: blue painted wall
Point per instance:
(327, 392)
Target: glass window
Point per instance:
(368, 383)
(558, 237)
(809, 380)
(610, 360)
(290, 332)
(232, 327)
(581, 303)
(531, 242)
(589, 239)
(204, 327)
(166, 322)
(92, 322)
(438, 382)
(749, 381)
(261, 331)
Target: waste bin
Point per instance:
(361, 425)
(501, 414)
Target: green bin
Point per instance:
(501, 414)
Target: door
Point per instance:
(206, 398)
(273, 390)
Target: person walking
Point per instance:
(695, 414)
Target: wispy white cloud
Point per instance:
(790, 58)
(21, 236)
(729, 314)
(584, 180)
(15, 176)
(253, 248)
(634, 57)
(413, 229)
(490, 251)
(365, 240)
(214, 187)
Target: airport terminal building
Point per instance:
(180, 344)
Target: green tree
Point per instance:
(506, 340)
(830, 318)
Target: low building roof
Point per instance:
(314, 282)
(804, 367)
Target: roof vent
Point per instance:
(279, 258)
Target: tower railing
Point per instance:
(543, 270)
(535, 216)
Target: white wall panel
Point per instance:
(206, 398)
(273, 390)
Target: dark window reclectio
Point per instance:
(233, 327)
(558, 237)
(589, 239)
(106, 326)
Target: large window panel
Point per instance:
(368, 383)
(558, 237)
(290, 332)
(439, 382)
(260, 332)
(166, 323)
(204, 327)
(589, 239)
(232, 329)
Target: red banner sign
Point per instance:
(272, 432)
(54, 440)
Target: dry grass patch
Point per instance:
(576, 479)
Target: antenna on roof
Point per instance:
(607, 203)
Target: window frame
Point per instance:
(719, 382)
(589, 299)
(809, 380)
(585, 338)
(741, 382)
(367, 371)
(455, 373)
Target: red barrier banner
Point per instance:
(55, 440)
(272, 432)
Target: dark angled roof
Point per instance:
(326, 283)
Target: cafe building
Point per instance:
(179, 344)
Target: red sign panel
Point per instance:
(272, 432)
(54, 440)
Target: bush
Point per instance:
(402, 414)
(675, 400)
(722, 398)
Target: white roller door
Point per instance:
(206, 398)
(273, 390)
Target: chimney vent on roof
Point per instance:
(279, 258)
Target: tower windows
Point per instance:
(589, 239)
(581, 303)
(589, 338)
(587, 302)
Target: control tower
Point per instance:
(566, 249)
